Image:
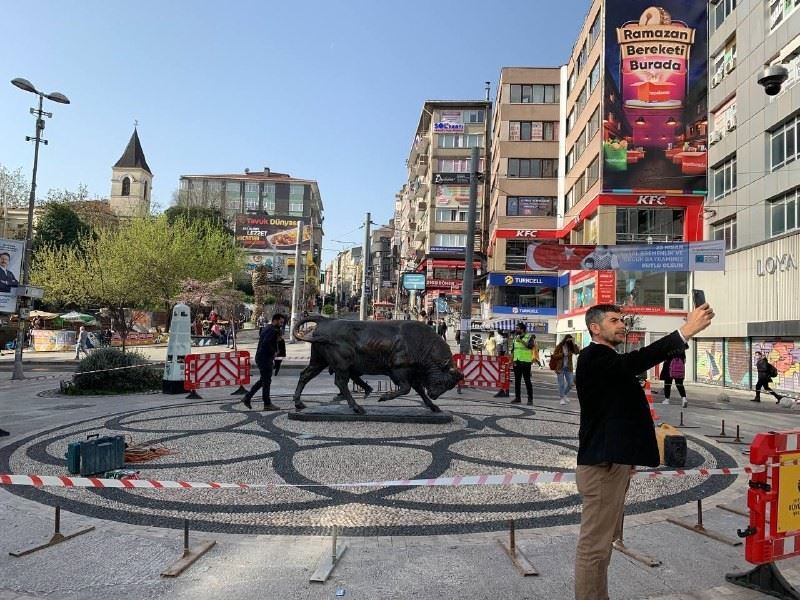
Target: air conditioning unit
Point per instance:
(730, 65)
(714, 137)
(716, 80)
(730, 125)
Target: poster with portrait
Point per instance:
(11, 254)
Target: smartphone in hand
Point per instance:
(699, 297)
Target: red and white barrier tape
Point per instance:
(530, 477)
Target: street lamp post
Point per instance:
(26, 85)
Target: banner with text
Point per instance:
(11, 253)
(676, 256)
(261, 232)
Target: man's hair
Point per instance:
(5, 254)
(598, 312)
(759, 353)
(277, 316)
(522, 326)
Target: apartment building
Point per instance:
(524, 197)
(753, 195)
(432, 206)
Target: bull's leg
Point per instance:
(342, 378)
(420, 389)
(362, 384)
(306, 375)
(403, 387)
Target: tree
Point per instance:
(14, 188)
(139, 265)
(59, 226)
(217, 294)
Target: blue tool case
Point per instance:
(96, 455)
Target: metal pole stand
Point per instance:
(682, 426)
(767, 579)
(190, 555)
(519, 560)
(619, 546)
(734, 510)
(722, 433)
(329, 561)
(698, 528)
(57, 538)
(736, 440)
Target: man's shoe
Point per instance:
(563, 401)
(246, 401)
(684, 403)
(665, 401)
(755, 399)
(270, 406)
(778, 399)
(516, 401)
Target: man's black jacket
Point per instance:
(267, 345)
(616, 426)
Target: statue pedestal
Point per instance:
(378, 414)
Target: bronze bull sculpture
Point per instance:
(409, 352)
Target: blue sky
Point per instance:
(330, 91)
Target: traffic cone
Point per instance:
(649, 395)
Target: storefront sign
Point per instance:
(262, 232)
(525, 310)
(453, 196)
(517, 233)
(413, 281)
(775, 264)
(11, 252)
(443, 283)
(447, 250)
(451, 178)
(445, 127)
(655, 96)
(679, 256)
(500, 279)
(606, 287)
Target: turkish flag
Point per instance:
(552, 257)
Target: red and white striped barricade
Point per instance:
(773, 499)
(217, 369)
(482, 371)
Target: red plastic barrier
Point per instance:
(483, 371)
(217, 369)
(774, 498)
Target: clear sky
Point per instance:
(330, 90)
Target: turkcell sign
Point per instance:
(447, 127)
(525, 310)
(523, 280)
(413, 281)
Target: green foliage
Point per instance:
(140, 379)
(327, 310)
(270, 299)
(59, 226)
(197, 214)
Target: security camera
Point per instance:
(772, 79)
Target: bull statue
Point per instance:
(409, 352)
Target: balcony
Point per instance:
(421, 167)
(421, 234)
(421, 190)
(422, 206)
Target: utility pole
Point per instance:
(298, 252)
(362, 311)
(468, 283)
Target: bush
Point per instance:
(140, 379)
(327, 310)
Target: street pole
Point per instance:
(469, 252)
(296, 286)
(362, 311)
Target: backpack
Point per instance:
(771, 370)
(677, 368)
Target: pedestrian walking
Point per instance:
(522, 355)
(674, 369)
(502, 344)
(280, 354)
(561, 362)
(442, 329)
(616, 433)
(82, 343)
(265, 355)
(490, 345)
(766, 371)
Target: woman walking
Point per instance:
(561, 361)
(674, 369)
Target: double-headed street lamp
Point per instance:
(26, 85)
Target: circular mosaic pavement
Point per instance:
(218, 440)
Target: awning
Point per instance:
(507, 324)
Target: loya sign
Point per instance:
(775, 264)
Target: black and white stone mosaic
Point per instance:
(217, 440)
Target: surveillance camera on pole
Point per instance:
(772, 78)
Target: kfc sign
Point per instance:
(652, 200)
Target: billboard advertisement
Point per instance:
(263, 232)
(676, 256)
(11, 253)
(655, 113)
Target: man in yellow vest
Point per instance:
(522, 354)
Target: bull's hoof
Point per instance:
(382, 398)
(359, 410)
(367, 391)
(435, 408)
(299, 405)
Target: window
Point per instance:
(723, 62)
(528, 297)
(722, 11)
(649, 289)
(126, 186)
(532, 167)
(580, 60)
(251, 197)
(726, 230)
(593, 125)
(454, 140)
(448, 273)
(534, 94)
(779, 11)
(649, 225)
(594, 76)
(451, 240)
(569, 199)
(571, 81)
(783, 215)
(456, 165)
(455, 215)
(233, 197)
(145, 191)
(724, 178)
(296, 194)
(582, 98)
(784, 144)
(571, 120)
(530, 206)
(268, 197)
(532, 131)
(473, 116)
(570, 159)
(594, 30)
(593, 172)
(516, 252)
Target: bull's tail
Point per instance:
(308, 336)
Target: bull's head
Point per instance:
(442, 378)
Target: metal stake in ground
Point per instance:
(190, 555)
(519, 560)
(619, 546)
(699, 528)
(329, 561)
(722, 433)
(57, 538)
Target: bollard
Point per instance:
(722, 433)
(512, 538)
